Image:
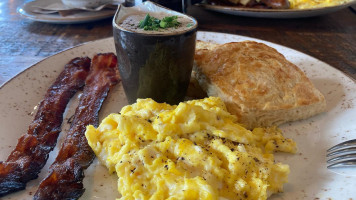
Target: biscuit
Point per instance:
(257, 83)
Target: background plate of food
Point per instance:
(308, 179)
(32, 10)
(279, 9)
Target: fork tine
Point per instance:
(349, 143)
(342, 152)
(342, 158)
(348, 163)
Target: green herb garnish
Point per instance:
(152, 23)
(168, 22)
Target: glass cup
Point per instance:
(154, 65)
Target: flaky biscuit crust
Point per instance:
(257, 83)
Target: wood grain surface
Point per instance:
(330, 38)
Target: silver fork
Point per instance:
(342, 155)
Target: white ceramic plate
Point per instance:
(274, 13)
(309, 177)
(27, 11)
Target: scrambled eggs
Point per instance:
(195, 150)
(305, 4)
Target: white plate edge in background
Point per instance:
(275, 13)
(26, 11)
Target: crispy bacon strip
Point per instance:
(67, 172)
(31, 153)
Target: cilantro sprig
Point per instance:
(152, 23)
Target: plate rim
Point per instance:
(274, 13)
(93, 16)
(49, 57)
(211, 32)
(304, 54)
(276, 10)
(205, 32)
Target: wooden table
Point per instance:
(330, 38)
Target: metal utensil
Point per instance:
(342, 155)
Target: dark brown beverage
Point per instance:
(155, 64)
